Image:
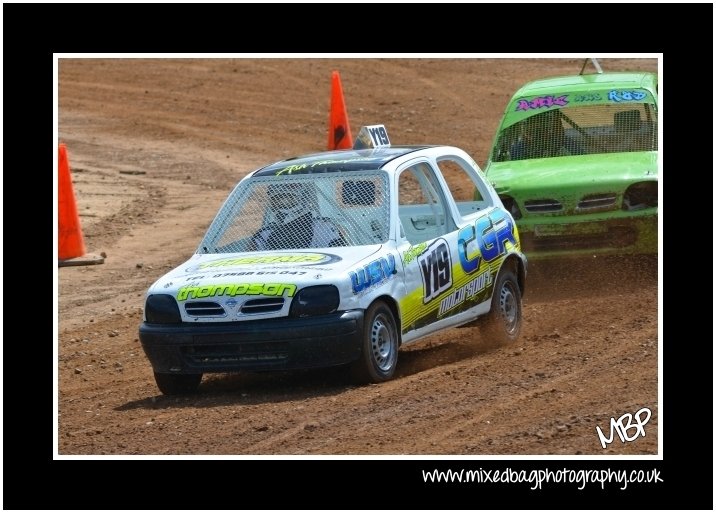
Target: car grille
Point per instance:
(204, 309)
(236, 353)
(543, 205)
(256, 306)
(253, 306)
(597, 202)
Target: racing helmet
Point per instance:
(288, 201)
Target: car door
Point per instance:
(450, 252)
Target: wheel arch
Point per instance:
(393, 305)
(518, 265)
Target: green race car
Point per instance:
(575, 160)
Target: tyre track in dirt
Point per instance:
(317, 413)
(555, 381)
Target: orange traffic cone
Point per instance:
(339, 131)
(71, 245)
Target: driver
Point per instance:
(543, 136)
(295, 224)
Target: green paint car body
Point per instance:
(575, 160)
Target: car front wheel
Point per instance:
(380, 346)
(177, 384)
(504, 322)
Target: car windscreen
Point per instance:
(302, 211)
(579, 129)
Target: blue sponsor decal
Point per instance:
(489, 235)
(375, 273)
(626, 96)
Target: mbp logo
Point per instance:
(623, 425)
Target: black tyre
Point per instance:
(177, 384)
(504, 322)
(380, 346)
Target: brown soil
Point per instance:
(156, 145)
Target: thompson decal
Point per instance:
(236, 289)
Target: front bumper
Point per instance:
(272, 344)
(572, 236)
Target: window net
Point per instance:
(580, 130)
(302, 211)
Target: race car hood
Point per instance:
(208, 287)
(574, 179)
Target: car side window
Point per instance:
(421, 205)
(469, 192)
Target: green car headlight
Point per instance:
(317, 300)
(641, 195)
(511, 205)
(162, 309)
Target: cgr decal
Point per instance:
(489, 234)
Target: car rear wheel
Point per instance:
(380, 346)
(177, 384)
(504, 322)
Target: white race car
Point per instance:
(339, 258)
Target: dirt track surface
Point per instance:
(156, 145)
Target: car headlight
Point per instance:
(511, 206)
(162, 309)
(641, 195)
(316, 300)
